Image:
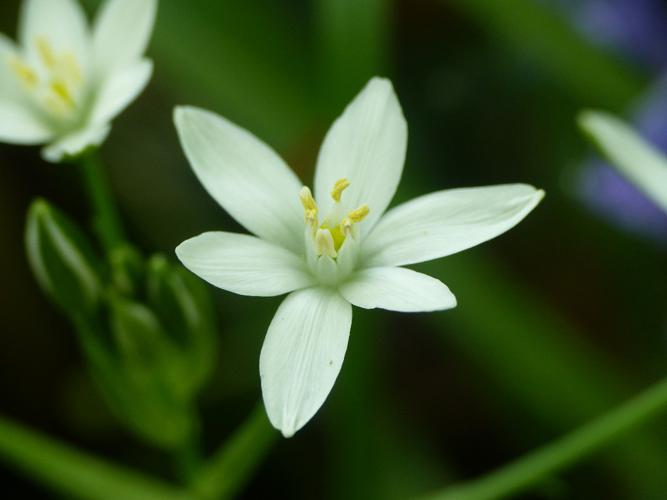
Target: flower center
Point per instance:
(53, 79)
(329, 236)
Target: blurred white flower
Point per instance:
(635, 158)
(64, 83)
(332, 250)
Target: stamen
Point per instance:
(352, 218)
(309, 206)
(340, 186)
(307, 199)
(24, 72)
(359, 214)
(45, 52)
(324, 243)
(62, 92)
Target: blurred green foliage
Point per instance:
(558, 321)
(146, 328)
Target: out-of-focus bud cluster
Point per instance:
(146, 326)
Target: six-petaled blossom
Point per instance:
(63, 83)
(333, 248)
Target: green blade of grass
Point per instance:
(75, 473)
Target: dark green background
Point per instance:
(559, 320)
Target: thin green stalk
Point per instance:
(74, 473)
(543, 463)
(106, 220)
(228, 470)
(188, 458)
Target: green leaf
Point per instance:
(548, 461)
(62, 260)
(75, 473)
(640, 162)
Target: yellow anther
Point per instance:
(340, 186)
(352, 218)
(359, 214)
(62, 92)
(307, 199)
(309, 206)
(324, 243)
(45, 52)
(24, 72)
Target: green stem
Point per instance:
(74, 473)
(106, 220)
(228, 470)
(188, 459)
(541, 464)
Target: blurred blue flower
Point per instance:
(635, 28)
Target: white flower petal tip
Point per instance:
(397, 289)
(244, 175)
(635, 158)
(74, 144)
(244, 264)
(122, 32)
(446, 222)
(63, 83)
(366, 145)
(302, 355)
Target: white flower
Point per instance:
(64, 83)
(640, 162)
(335, 249)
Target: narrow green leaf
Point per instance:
(75, 473)
(572, 448)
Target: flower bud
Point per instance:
(127, 270)
(143, 389)
(62, 260)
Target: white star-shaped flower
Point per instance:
(64, 83)
(335, 249)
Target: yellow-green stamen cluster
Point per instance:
(330, 236)
(58, 87)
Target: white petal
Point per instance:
(9, 82)
(119, 90)
(244, 264)
(446, 222)
(244, 175)
(122, 31)
(75, 143)
(397, 289)
(633, 156)
(366, 145)
(302, 355)
(62, 23)
(20, 125)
